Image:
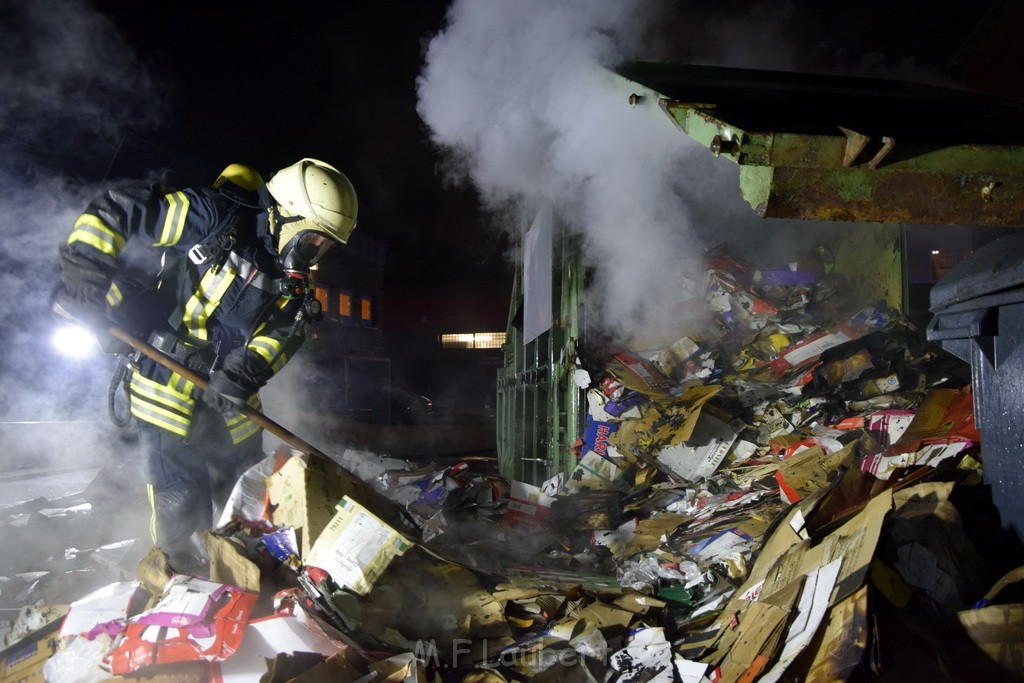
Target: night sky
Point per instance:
(267, 85)
(101, 90)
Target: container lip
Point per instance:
(999, 299)
(996, 268)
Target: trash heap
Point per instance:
(792, 491)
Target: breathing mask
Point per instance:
(301, 253)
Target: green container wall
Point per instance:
(538, 404)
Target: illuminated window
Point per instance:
(366, 311)
(473, 340)
(345, 306)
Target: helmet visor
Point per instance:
(309, 246)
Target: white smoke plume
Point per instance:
(521, 96)
(72, 89)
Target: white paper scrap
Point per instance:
(648, 658)
(102, 606)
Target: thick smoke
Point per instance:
(521, 95)
(71, 89)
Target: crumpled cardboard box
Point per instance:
(439, 604)
(303, 494)
(356, 547)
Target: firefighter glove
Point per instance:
(224, 394)
(75, 305)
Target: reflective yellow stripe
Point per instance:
(246, 429)
(160, 393)
(280, 303)
(164, 419)
(268, 348)
(114, 296)
(174, 223)
(90, 230)
(179, 383)
(241, 427)
(151, 494)
(205, 300)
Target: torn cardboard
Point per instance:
(356, 547)
(703, 451)
(303, 493)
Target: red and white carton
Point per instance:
(528, 506)
(194, 620)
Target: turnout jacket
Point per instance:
(228, 304)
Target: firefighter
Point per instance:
(245, 249)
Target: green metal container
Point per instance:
(538, 404)
(865, 156)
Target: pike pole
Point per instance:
(376, 502)
(256, 416)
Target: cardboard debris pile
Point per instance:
(794, 493)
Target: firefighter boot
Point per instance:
(178, 519)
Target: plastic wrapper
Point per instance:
(194, 620)
(646, 574)
(79, 660)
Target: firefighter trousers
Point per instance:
(188, 479)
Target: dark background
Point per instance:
(268, 85)
(336, 80)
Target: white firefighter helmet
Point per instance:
(318, 194)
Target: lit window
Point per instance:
(366, 311)
(345, 306)
(473, 340)
(941, 264)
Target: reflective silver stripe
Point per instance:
(240, 426)
(155, 392)
(164, 419)
(149, 398)
(244, 430)
(114, 296)
(180, 384)
(245, 268)
(174, 222)
(268, 348)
